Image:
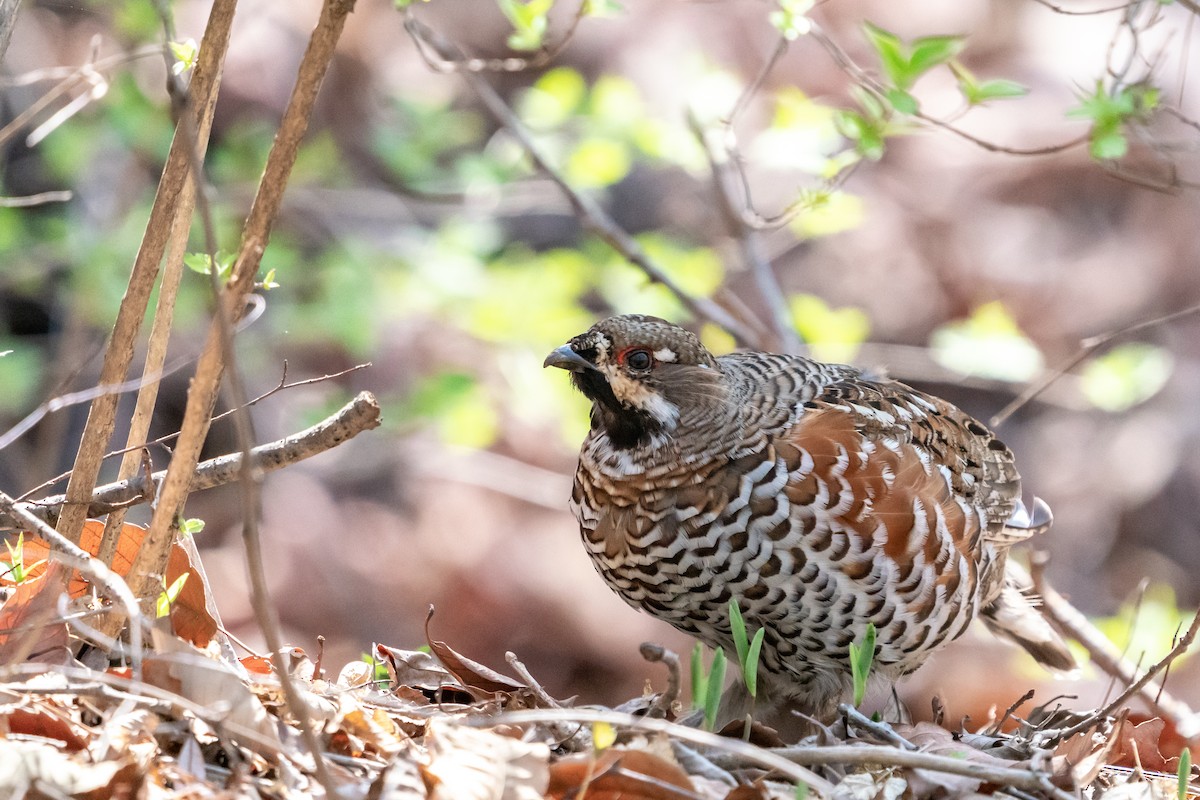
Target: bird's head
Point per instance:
(642, 374)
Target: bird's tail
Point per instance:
(1014, 615)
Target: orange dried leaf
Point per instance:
(33, 602)
(625, 774)
(472, 674)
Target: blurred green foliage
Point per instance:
(987, 344)
(465, 266)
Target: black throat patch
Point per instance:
(626, 427)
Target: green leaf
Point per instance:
(741, 642)
(598, 162)
(833, 334)
(861, 658)
(932, 51)
(191, 527)
(553, 98)
(902, 101)
(802, 791)
(996, 89)
(699, 677)
(185, 54)
(716, 684)
(162, 606)
(1107, 145)
(1184, 773)
(529, 20)
(1125, 376)
(750, 670)
(602, 8)
(893, 55)
(866, 135)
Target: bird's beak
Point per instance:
(566, 358)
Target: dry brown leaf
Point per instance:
(191, 673)
(619, 773)
(189, 613)
(1078, 760)
(471, 764)
(34, 602)
(473, 675)
(22, 762)
(34, 716)
(931, 738)
(1137, 745)
(400, 780)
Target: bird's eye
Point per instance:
(639, 360)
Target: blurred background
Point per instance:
(417, 236)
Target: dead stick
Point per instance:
(102, 415)
(360, 414)
(1070, 621)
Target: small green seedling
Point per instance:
(699, 677)
(801, 791)
(162, 606)
(712, 694)
(861, 658)
(1185, 772)
(748, 650)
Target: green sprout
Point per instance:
(861, 658)
(748, 649)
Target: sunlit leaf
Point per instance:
(1145, 631)
(615, 102)
(553, 98)
(988, 344)
(1125, 376)
(604, 735)
(596, 162)
(827, 213)
(790, 18)
(833, 334)
(717, 339)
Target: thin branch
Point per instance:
(656, 653)
(101, 419)
(36, 199)
(1189, 727)
(544, 56)
(283, 384)
(589, 211)
(360, 414)
(753, 255)
(746, 752)
(1087, 347)
(864, 79)
(1104, 655)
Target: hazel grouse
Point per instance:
(818, 498)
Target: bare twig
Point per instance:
(655, 653)
(746, 752)
(511, 64)
(102, 415)
(283, 384)
(38, 199)
(1188, 728)
(1105, 656)
(589, 211)
(360, 414)
(753, 254)
(1087, 347)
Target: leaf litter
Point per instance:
(433, 724)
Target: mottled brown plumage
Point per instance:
(818, 498)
